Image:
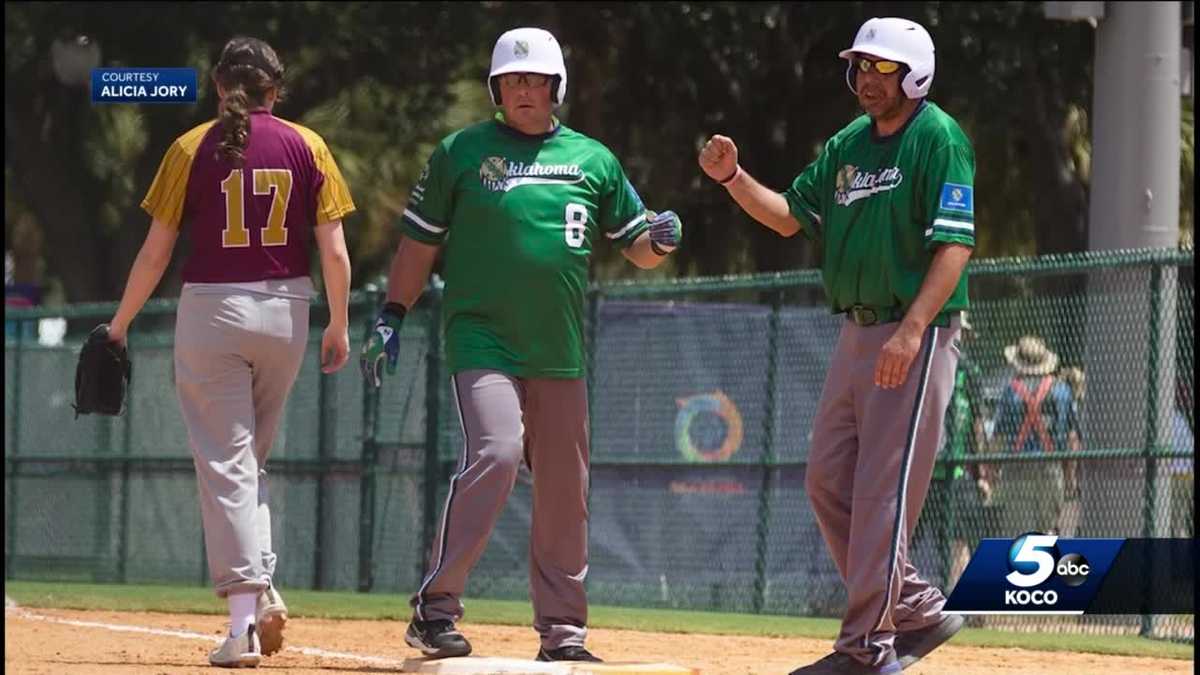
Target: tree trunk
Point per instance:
(42, 114)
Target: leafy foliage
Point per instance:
(382, 82)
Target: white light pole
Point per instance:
(73, 60)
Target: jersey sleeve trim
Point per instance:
(333, 200)
(637, 220)
(429, 227)
(420, 229)
(168, 192)
(945, 224)
(810, 220)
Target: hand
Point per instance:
(666, 231)
(897, 356)
(985, 491)
(335, 348)
(117, 333)
(383, 341)
(719, 158)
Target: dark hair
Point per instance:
(247, 70)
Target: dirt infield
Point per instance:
(38, 641)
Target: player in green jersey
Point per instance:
(890, 202)
(518, 203)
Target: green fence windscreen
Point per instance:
(702, 396)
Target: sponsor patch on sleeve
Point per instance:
(957, 197)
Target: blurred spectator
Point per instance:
(1181, 469)
(1068, 523)
(1033, 417)
(953, 511)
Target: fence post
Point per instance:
(433, 405)
(1149, 448)
(593, 311)
(203, 557)
(327, 400)
(127, 443)
(13, 505)
(767, 460)
(366, 504)
(103, 512)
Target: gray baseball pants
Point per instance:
(507, 420)
(868, 472)
(237, 355)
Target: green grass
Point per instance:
(378, 606)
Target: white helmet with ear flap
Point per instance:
(896, 40)
(529, 50)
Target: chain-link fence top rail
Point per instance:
(702, 396)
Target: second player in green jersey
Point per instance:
(520, 216)
(518, 204)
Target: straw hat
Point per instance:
(1030, 356)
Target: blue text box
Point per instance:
(144, 85)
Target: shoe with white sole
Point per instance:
(242, 651)
(270, 615)
(437, 638)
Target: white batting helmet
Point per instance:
(529, 50)
(896, 40)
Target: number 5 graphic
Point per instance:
(1029, 553)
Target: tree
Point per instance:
(383, 82)
(81, 169)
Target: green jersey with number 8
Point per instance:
(520, 216)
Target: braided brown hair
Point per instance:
(248, 70)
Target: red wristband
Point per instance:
(736, 170)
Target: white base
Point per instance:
(480, 665)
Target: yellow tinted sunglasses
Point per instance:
(527, 79)
(881, 67)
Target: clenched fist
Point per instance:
(719, 158)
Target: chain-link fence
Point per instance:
(702, 395)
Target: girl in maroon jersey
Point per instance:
(253, 189)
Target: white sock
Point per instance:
(241, 611)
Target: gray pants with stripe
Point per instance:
(507, 420)
(868, 472)
(237, 355)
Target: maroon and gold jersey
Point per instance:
(250, 223)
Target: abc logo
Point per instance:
(1073, 569)
(1033, 558)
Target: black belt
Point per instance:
(870, 316)
(873, 316)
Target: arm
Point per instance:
(718, 159)
(335, 270)
(411, 265)
(898, 353)
(1062, 416)
(762, 204)
(147, 271)
(409, 272)
(1066, 437)
(641, 254)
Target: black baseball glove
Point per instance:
(102, 376)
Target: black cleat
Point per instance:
(568, 653)
(438, 638)
(838, 663)
(914, 645)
